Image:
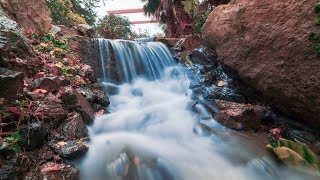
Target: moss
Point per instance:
(315, 37)
(317, 8)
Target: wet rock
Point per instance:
(32, 136)
(85, 30)
(274, 58)
(73, 127)
(11, 83)
(299, 136)
(203, 55)
(54, 171)
(72, 149)
(50, 84)
(7, 166)
(32, 14)
(170, 42)
(67, 32)
(239, 116)
(95, 95)
(11, 38)
(52, 110)
(74, 101)
(189, 43)
(35, 96)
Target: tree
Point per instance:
(114, 27)
(72, 12)
(179, 15)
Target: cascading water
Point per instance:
(151, 134)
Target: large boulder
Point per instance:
(74, 101)
(30, 14)
(11, 38)
(266, 44)
(11, 84)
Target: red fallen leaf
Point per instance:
(50, 166)
(39, 75)
(276, 132)
(99, 113)
(15, 110)
(40, 91)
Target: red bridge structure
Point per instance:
(129, 11)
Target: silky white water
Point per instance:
(152, 134)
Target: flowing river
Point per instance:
(152, 132)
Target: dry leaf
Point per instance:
(221, 83)
(59, 65)
(40, 91)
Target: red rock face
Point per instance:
(265, 42)
(29, 13)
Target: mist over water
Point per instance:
(150, 135)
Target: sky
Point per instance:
(130, 4)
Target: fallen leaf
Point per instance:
(221, 83)
(39, 75)
(99, 113)
(15, 110)
(50, 166)
(59, 65)
(40, 91)
(60, 144)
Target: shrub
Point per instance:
(61, 13)
(114, 27)
(315, 37)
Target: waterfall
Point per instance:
(152, 133)
(132, 59)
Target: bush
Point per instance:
(315, 37)
(61, 13)
(114, 27)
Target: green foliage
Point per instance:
(151, 6)
(114, 27)
(11, 142)
(315, 37)
(85, 8)
(295, 154)
(199, 24)
(62, 13)
(317, 8)
(189, 6)
(59, 47)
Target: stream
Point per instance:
(152, 133)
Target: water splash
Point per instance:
(152, 133)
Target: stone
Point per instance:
(72, 149)
(189, 43)
(55, 30)
(73, 127)
(29, 14)
(95, 94)
(12, 39)
(202, 55)
(11, 84)
(50, 84)
(239, 116)
(54, 171)
(274, 57)
(52, 110)
(85, 30)
(67, 32)
(32, 136)
(74, 101)
(170, 42)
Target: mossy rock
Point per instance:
(294, 154)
